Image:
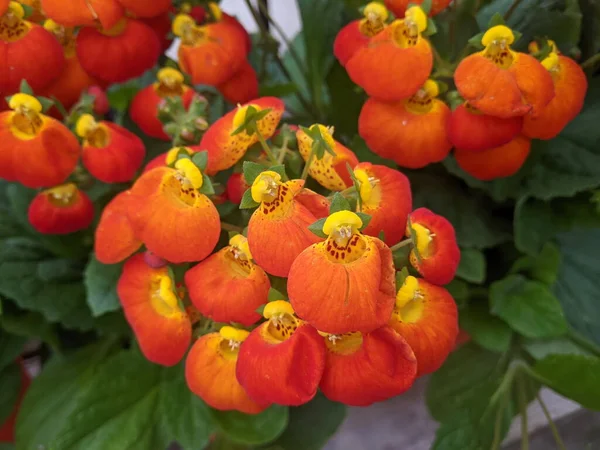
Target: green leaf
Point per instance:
(317, 228)
(543, 267)
(529, 307)
(207, 187)
(278, 90)
(11, 347)
(30, 325)
(101, 286)
(488, 331)
(274, 294)
(200, 159)
(251, 171)
(338, 203)
(345, 103)
(472, 266)
(578, 283)
(10, 380)
(539, 349)
(255, 429)
(496, 19)
(459, 290)
(25, 88)
(574, 376)
(247, 200)
(311, 425)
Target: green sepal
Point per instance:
(251, 171)
(338, 203)
(317, 228)
(366, 219)
(247, 200)
(475, 41)
(401, 275)
(200, 160)
(497, 19)
(279, 170)
(413, 236)
(25, 88)
(207, 187)
(431, 28)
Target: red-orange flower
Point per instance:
(61, 210)
(361, 369)
(278, 229)
(27, 52)
(167, 158)
(3, 6)
(145, 106)
(330, 171)
(212, 53)
(498, 162)
(282, 360)
(503, 83)
(7, 429)
(386, 197)
(469, 129)
(145, 8)
(570, 87)
(228, 286)
(171, 217)
(426, 317)
(345, 283)
(119, 53)
(437, 254)
(35, 150)
(412, 132)
(110, 152)
(114, 240)
(399, 52)
(76, 13)
(236, 186)
(224, 150)
(358, 33)
(161, 25)
(210, 372)
(398, 7)
(152, 309)
(241, 87)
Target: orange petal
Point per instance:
(177, 223)
(61, 210)
(228, 289)
(84, 12)
(469, 129)
(488, 88)
(498, 162)
(438, 265)
(570, 86)
(378, 67)
(163, 332)
(242, 86)
(281, 370)
(119, 159)
(225, 150)
(315, 203)
(410, 139)
(131, 51)
(398, 7)
(144, 8)
(240, 30)
(389, 204)
(210, 374)
(161, 25)
(114, 240)
(363, 369)
(338, 297)
(534, 81)
(348, 41)
(3, 6)
(432, 330)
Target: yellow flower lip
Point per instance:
(551, 61)
(424, 238)
(190, 172)
(25, 103)
(277, 308)
(499, 34)
(366, 184)
(16, 10)
(172, 154)
(431, 88)
(170, 77)
(233, 334)
(376, 11)
(63, 195)
(417, 17)
(240, 247)
(215, 11)
(265, 186)
(408, 291)
(344, 223)
(85, 125)
(182, 24)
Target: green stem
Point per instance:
(511, 10)
(282, 151)
(522, 393)
(347, 191)
(591, 62)
(230, 227)
(559, 442)
(265, 146)
(498, 423)
(583, 343)
(401, 244)
(309, 161)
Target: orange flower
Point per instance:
(3, 6)
(469, 129)
(145, 106)
(437, 254)
(282, 360)
(114, 240)
(570, 87)
(228, 286)
(357, 33)
(152, 309)
(386, 197)
(361, 369)
(241, 87)
(224, 150)
(37, 15)
(236, 186)
(503, 83)
(61, 210)
(398, 7)
(397, 53)
(411, 132)
(167, 158)
(278, 229)
(76, 13)
(28, 52)
(210, 372)
(426, 317)
(67, 88)
(161, 25)
(498, 162)
(119, 53)
(110, 152)
(330, 171)
(211, 54)
(345, 283)
(171, 217)
(145, 8)
(35, 150)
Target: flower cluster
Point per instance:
(503, 98)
